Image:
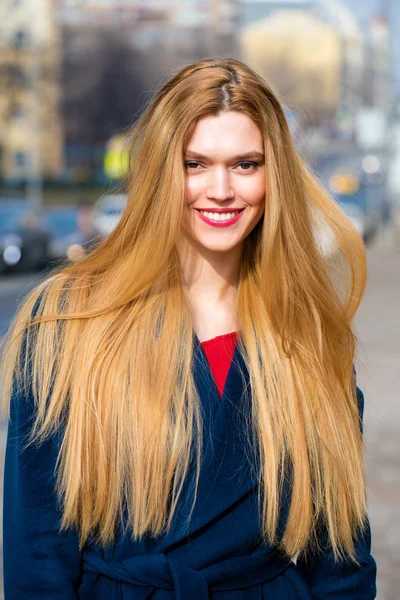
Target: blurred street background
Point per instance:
(75, 74)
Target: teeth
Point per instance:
(219, 216)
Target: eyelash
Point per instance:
(245, 162)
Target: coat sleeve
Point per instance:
(39, 562)
(344, 581)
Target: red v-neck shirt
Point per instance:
(219, 352)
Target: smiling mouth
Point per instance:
(220, 216)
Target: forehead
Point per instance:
(228, 133)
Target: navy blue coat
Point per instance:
(219, 555)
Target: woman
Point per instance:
(184, 415)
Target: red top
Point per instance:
(219, 352)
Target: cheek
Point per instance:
(192, 189)
(254, 192)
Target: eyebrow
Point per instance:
(245, 155)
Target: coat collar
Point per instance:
(226, 476)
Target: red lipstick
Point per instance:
(225, 223)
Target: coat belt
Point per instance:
(160, 571)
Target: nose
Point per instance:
(219, 185)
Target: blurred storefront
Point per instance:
(31, 129)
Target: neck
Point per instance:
(208, 275)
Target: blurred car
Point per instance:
(24, 237)
(359, 199)
(358, 183)
(356, 216)
(108, 211)
(72, 232)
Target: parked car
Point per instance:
(24, 237)
(108, 211)
(72, 232)
(356, 216)
(358, 183)
(365, 201)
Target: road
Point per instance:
(378, 328)
(13, 288)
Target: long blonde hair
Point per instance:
(108, 355)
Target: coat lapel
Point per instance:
(226, 477)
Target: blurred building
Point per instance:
(378, 69)
(300, 56)
(313, 52)
(117, 52)
(255, 10)
(353, 59)
(194, 23)
(31, 132)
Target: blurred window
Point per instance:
(112, 210)
(17, 76)
(20, 39)
(16, 111)
(21, 159)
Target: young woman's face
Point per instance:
(225, 181)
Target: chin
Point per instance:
(218, 247)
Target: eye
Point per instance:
(248, 165)
(192, 165)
